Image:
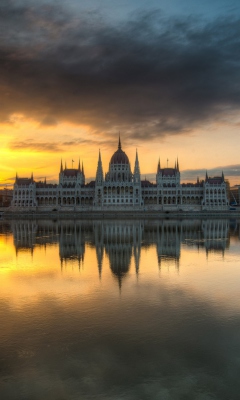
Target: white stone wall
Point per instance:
(215, 196)
(24, 196)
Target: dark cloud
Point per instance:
(30, 144)
(148, 77)
(230, 171)
(49, 121)
(36, 146)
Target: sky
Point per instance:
(165, 74)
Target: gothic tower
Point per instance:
(99, 182)
(137, 182)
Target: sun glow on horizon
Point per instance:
(29, 147)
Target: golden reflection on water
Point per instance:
(66, 259)
(119, 309)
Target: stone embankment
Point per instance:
(117, 214)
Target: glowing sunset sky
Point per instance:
(166, 74)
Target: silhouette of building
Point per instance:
(120, 189)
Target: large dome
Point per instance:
(119, 157)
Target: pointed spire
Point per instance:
(65, 165)
(159, 166)
(136, 155)
(79, 165)
(45, 181)
(206, 178)
(82, 169)
(119, 143)
(223, 178)
(177, 165)
(99, 174)
(61, 166)
(136, 169)
(32, 177)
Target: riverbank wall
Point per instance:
(119, 214)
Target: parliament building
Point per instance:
(120, 189)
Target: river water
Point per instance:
(120, 310)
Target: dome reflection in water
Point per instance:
(132, 309)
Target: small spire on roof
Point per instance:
(119, 143)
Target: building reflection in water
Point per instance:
(24, 235)
(121, 241)
(71, 242)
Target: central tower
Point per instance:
(119, 167)
(121, 187)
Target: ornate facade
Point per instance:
(120, 189)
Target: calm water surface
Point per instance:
(120, 310)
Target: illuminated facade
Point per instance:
(120, 189)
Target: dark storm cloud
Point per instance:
(149, 76)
